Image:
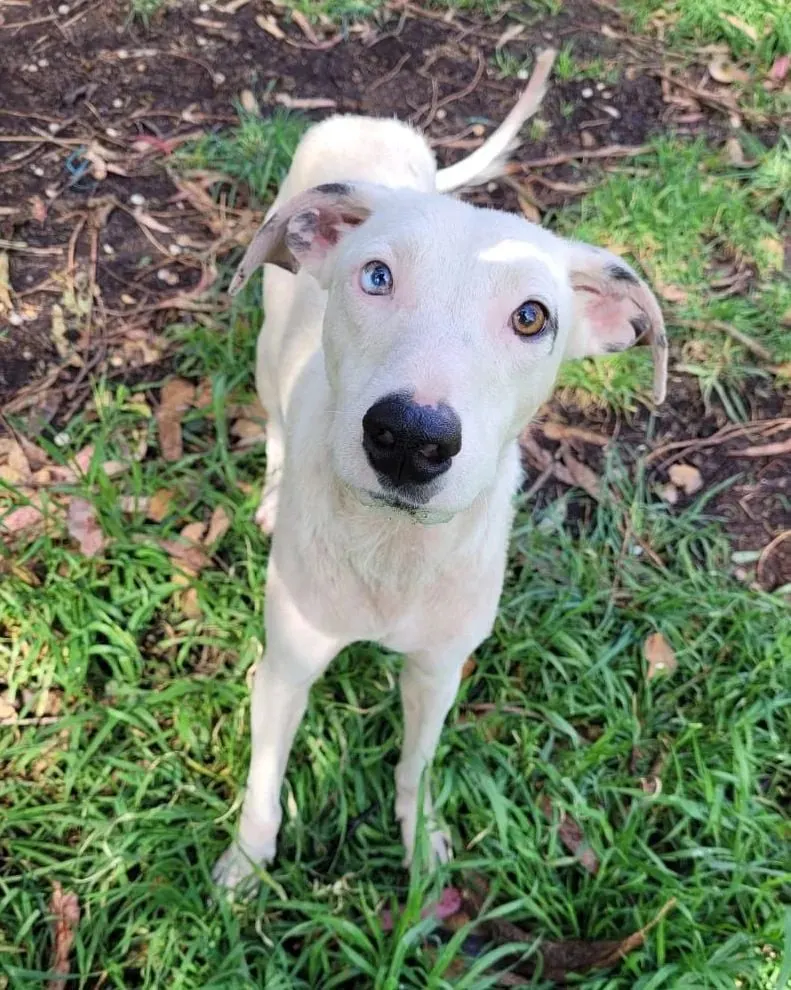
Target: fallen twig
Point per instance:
(760, 569)
(611, 151)
(738, 335)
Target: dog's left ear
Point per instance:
(614, 309)
(301, 232)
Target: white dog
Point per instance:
(409, 339)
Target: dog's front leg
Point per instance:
(429, 683)
(296, 655)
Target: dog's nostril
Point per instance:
(385, 438)
(433, 452)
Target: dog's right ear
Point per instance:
(301, 232)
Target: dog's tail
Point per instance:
(489, 161)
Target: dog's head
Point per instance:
(444, 330)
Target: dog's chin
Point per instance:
(390, 503)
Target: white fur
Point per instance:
(341, 568)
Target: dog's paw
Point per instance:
(266, 513)
(439, 849)
(235, 873)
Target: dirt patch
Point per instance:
(93, 103)
(107, 243)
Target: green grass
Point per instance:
(706, 21)
(685, 219)
(129, 797)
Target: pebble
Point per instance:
(43, 63)
(201, 42)
(108, 249)
(118, 103)
(112, 132)
(116, 360)
(61, 439)
(491, 186)
(204, 8)
(51, 192)
(27, 354)
(612, 112)
(53, 128)
(142, 67)
(586, 93)
(127, 300)
(219, 78)
(168, 277)
(36, 170)
(606, 95)
(441, 114)
(63, 9)
(600, 86)
(174, 249)
(32, 67)
(136, 199)
(15, 319)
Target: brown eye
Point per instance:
(530, 319)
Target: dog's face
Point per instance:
(444, 330)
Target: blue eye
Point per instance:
(376, 279)
(530, 319)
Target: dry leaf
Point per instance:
(469, 667)
(176, 398)
(686, 477)
(16, 470)
(189, 604)
(670, 292)
(741, 25)
(572, 837)
(733, 149)
(529, 210)
(249, 102)
(193, 532)
(65, 909)
(780, 68)
(82, 460)
(659, 655)
(775, 252)
(83, 526)
(203, 394)
(21, 519)
(8, 714)
(219, 524)
(269, 24)
(148, 221)
(723, 70)
(580, 474)
(247, 429)
(669, 493)
(159, 505)
(187, 557)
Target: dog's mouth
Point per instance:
(389, 501)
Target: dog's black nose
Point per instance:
(407, 443)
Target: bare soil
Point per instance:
(136, 246)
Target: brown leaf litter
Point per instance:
(660, 657)
(468, 906)
(65, 910)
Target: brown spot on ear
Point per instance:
(621, 274)
(334, 189)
